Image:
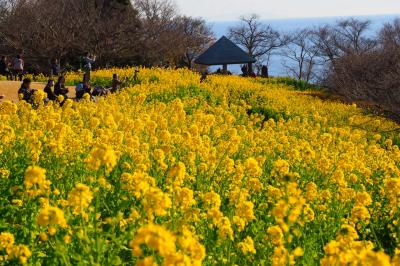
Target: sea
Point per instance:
(276, 68)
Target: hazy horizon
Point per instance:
(311, 18)
(227, 10)
(287, 24)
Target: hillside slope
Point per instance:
(229, 171)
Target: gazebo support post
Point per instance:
(225, 69)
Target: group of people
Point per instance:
(262, 71)
(13, 69)
(55, 89)
(85, 87)
(52, 90)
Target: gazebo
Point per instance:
(224, 52)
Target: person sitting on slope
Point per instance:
(100, 91)
(60, 89)
(51, 96)
(115, 83)
(83, 88)
(25, 90)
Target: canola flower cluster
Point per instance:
(171, 171)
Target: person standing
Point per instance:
(264, 71)
(204, 76)
(245, 71)
(136, 76)
(115, 83)
(4, 67)
(55, 68)
(18, 68)
(88, 61)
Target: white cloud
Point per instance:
(269, 9)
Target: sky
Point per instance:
(225, 10)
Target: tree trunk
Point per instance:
(250, 68)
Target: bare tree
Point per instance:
(351, 36)
(390, 35)
(146, 32)
(196, 36)
(365, 69)
(156, 10)
(66, 29)
(256, 38)
(4, 5)
(166, 37)
(348, 36)
(324, 40)
(301, 56)
(158, 36)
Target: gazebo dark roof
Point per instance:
(224, 52)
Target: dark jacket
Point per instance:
(115, 84)
(26, 93)
(55, 69)
(60, 89)
(3, 67)
(50, 94)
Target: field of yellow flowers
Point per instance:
(171, 171)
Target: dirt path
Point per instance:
(10, 89)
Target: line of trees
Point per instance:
(305, 50)
(347, 57)
(118, 32)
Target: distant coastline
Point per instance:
(286, 25)
(220, 27)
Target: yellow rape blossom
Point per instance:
(79, 198)
(102, 155)
(51, 216)
(6, 240)
(156, 238)
(247, 246)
